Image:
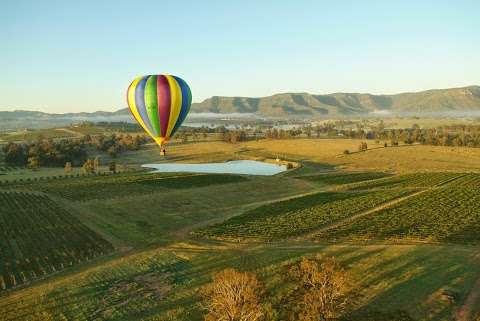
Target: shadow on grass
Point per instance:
(309, 167)
(413, 281)
(408, 278)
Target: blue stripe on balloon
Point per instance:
(185, 103)
(140, 102)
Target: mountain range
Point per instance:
(462, 100)
(452, 101)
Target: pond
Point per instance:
(247, 167)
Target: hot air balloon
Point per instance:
(160, 104)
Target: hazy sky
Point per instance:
(66, 56)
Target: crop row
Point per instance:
(128, 184)
(38, 237)
(414, 180)
(298, 216)
(446, 214)
(471, 180)
(344, 178)
(8, 168)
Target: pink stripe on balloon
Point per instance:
(163, 96)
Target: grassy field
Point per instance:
(171, 232)
(401, 159)
(31, 135)
(203, 152)
(398, 159)
(162, 284)
(164, 216)
(142, 208)
(121, 185)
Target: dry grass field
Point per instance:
(400, 159)
(404, 158)
(160, 261)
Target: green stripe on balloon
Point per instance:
(151, 104)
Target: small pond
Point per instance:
(247, 167)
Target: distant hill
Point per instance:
(459, 101)
(466, 99)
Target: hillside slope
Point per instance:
(466, 99)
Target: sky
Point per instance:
(72, 56)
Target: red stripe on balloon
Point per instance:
(163, 96)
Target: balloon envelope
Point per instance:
(159, 103)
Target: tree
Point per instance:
(68, 167)
(88, 166)
(112, 151)
(362, 147)
(32, 162)
(112, 166)
(322, 288)
(15, 154)
(233, 296)
(308, 131)
(184, 137)
(96, 164)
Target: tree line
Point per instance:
(116, 144)
(468, 136)
(50, 153)
(454, 135)
(45, 153)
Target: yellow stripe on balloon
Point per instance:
(133, 106)
(176, 103)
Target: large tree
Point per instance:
(322, 288)
(233, 296)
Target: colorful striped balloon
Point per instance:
(159, 103)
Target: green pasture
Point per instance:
(171, 232)
(388, 279)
